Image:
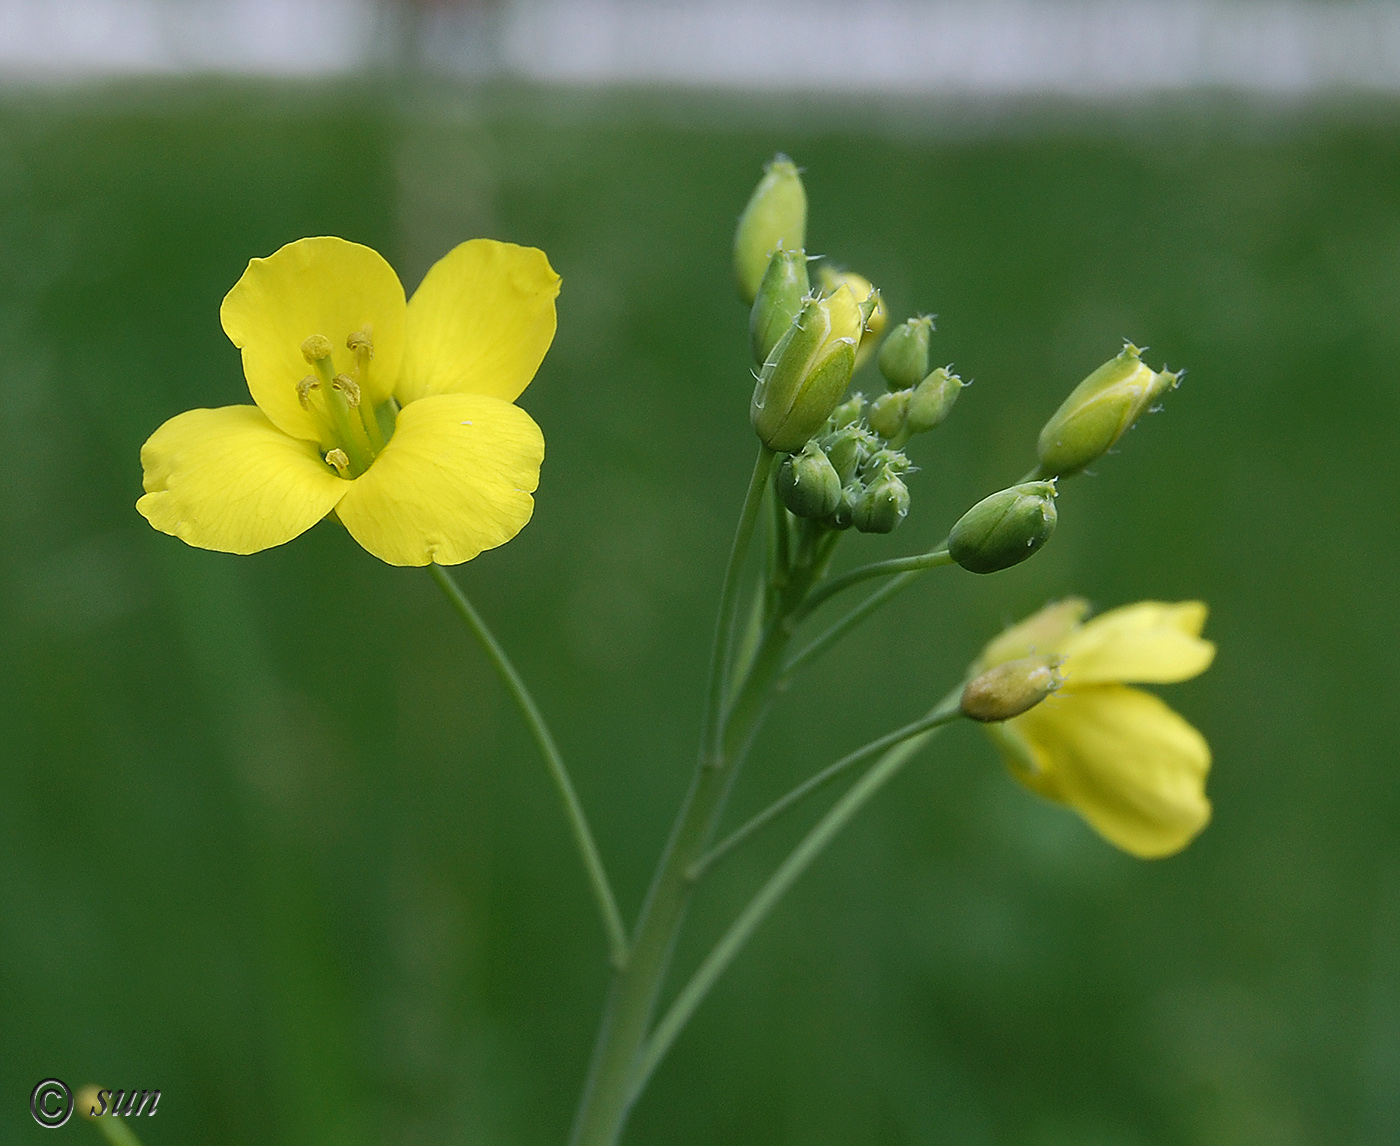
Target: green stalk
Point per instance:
(608, 1095)
(894, 585)
(945, 713)
(742, 929)
(573, 807)
(915, 564)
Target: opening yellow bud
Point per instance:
(1010, 689)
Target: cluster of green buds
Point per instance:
(919, 399)
(847, 475)
(845, 462)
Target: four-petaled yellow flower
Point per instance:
(1122, 759)
(398, 416)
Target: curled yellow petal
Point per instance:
(322, 286)
(228, 479)
(1127, 763)
(1149, 642)
(480, 323)
(1040, 634)
(456, 478)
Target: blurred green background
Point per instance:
(324, 896)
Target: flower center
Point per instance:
(352, 430)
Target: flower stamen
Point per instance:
(304, 388)
(341, 463)
(349, 387)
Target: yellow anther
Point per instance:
(349, 387)
(304, 388)
(316, 348)
(337, 457)
(360, 343)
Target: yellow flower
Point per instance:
(1122, 759)
(397, 416)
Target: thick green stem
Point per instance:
(739, 933)
(573, 808)
(607, 1095)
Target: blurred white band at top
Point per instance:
(1088, 47)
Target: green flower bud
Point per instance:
(841, 516)
(883, 505)
(849, 412)
(881, 459)
(807, 373)
(1099, 411)
(807, 483)
(1003, 530)
(887, 413)
(848, 449)
(904, 357)
(779, 299)
(776, 216)
(932, 401)
(1010, 689)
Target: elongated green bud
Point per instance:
(807, 372)
(807, 483)
(1003, 530)
(776, 216)
(904, 356)
(1010, 689)
(848, 448)
(882, 506)
(887, 413)
(779, 299)
(1099, 411)
(932, 401)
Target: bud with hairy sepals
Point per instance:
(1010, 689)
(1099, 411)
(904, 356)
(882, 505)
(779, 298)
(808, 484)
(932, 401)
(804, 377)
(1003, 530)
(887, 413)
(776, 216)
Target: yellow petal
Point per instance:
(1039, 634)
(480, 323)
(455, 479)
(1149, 642)
(228, 479)
(1127, 763)
(321, 286)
